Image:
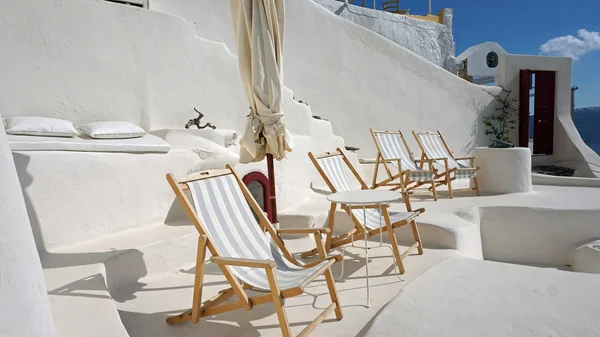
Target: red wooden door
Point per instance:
(543, 130)
(524, 87)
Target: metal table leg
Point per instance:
(366, 249)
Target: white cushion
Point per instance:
(39, 126)
(144, 144)
(111, 130)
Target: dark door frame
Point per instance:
(544, 110)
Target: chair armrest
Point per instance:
(439, 158)
(465, 158)
(239, 262)
(420, 210)
(304, 231)
(423, 160)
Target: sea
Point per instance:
(587, 121)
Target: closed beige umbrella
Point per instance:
(258, 29)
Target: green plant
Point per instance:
(501, 123)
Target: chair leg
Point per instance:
(330, 224)
(449, 183)
(417, 236)
(374, 185)
(329, 278)
(433, 190)
(393, 241)
(476, 184)
(333, 294)
(198, 280)
(402, 183)
(278, 302)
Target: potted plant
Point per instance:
(500, 124)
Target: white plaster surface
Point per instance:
(540, 227)
(586, 258)
(153, 76)
(477, 58)
(463, 297)
(503, 170)
(81, 303)
(569, 149)
(432, 41)
(74, 55)
(192, 137)
(544, 179)
(143, 308)
(78, 196)
(24, 309)
(144, 144)
(536, 235)
(342, 69)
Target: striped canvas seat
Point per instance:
(435, 149)
(393, 148)
(335, 170)
(234, 232)
(368, 221)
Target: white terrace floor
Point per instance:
(444, 292)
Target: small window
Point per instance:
(492, 59)
(258, 192)
(258, 185)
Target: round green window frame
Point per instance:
(492, 59)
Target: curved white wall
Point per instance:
(535, 235)
(503, 171)
(24, 308)
(358, 79)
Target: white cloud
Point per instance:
(572, 46)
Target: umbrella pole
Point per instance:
(273, 198)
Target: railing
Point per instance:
(393, 6)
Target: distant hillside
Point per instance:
(587, 121)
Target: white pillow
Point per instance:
(111, 130)
(39, 126)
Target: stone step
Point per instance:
(81, 303)
(131, 255)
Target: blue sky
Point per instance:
(523, 26)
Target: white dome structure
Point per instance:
(482, 61)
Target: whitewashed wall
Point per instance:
(24, 308)
(433, 41)
(86, 60)
(356, 78)
(91, 60)
(477, 59)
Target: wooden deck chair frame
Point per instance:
(445, 176)
(402, 177)
(215, 305)
(358, 231)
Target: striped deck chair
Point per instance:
(222, 210)
(434, 147)
(392, 149)
(332, 167)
